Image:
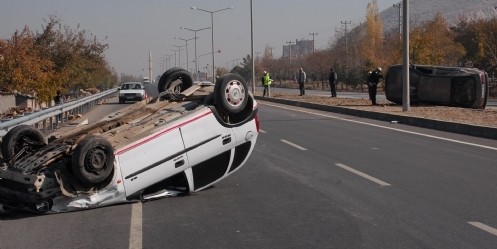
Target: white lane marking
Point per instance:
(292, 144)
(359, 173)
(388, 128)
(484, 227)
(135, 229)
(262, 131)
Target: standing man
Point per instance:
(373, 80)
(59, 99)
(301, 80)
(333, 82)
(266, 82)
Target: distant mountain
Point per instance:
(453, 10)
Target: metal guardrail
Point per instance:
(46, 119)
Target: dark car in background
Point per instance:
(450, 86)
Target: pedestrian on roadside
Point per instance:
(266, 82)
(373, 80)
(301, 80)
(333, 80)
(59, 99)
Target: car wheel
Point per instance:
(181, 77)
(231, 93)
(19, 138)
(93, 160)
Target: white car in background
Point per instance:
(185, 140)
(131, 91)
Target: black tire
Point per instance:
(231, 93)
(171, 76)
(19, 137)
(93, 160)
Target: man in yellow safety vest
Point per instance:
(266, 82)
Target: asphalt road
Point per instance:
(314, 180)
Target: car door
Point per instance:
(209, 147)
(152, 159)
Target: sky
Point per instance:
(134, 28)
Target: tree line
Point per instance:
(470, 43)
(57, 58)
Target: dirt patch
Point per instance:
(487, 117)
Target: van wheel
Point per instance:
(93, 160)
(21, 137)
(181, 78)
(231, 93)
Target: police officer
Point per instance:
(373, 80)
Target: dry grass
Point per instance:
(487, 117)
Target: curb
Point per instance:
(465, 129)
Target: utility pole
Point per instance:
(345, 23)
(313, 34)
(399, 5)
(290, 47)
(271, 48)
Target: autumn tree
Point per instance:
(78, 55)
(479, 38)
(57, 58)
(24, 69)
(318, 65)
(371, 45)
(434, 43)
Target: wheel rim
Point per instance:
(234, 93)
(95, 160)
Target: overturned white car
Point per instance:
(185, 140)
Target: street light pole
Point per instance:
(195, 35)
(252, 45)
(212, 34)
(198, 58)
(166, 58)
(175, 55)
(186, 48)
(179, 53)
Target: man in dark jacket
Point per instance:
(301, 77)
(333, 81)
(373, 80)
